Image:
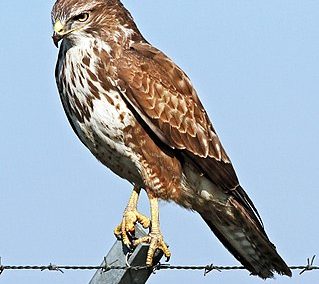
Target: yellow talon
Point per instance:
(130, 217)
(155, 237)
(156, 242)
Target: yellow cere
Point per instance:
(58, 27)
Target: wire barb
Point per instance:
(52, 267)
(159, 266)
(210, 268)
(105, 266)
(309, 265)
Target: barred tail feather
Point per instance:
(245, 239)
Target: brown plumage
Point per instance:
(139, 114)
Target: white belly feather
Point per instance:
(104, 136)
(103, 132)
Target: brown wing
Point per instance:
(163, 96)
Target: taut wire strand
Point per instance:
(206, 268)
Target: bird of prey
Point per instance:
(139, 115)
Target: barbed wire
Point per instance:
(160, 266)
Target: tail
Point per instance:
(245, 238)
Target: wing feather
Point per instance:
(159, 90)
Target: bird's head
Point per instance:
(78, 19)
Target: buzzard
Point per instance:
(139, 115)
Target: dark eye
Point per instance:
(81, 17)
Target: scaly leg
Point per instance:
(155, 237)
(130, 217)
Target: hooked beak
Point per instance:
(58, 33)
(56, 38)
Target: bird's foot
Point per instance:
(156, 241)
(127, 226)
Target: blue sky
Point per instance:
(255, 67)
